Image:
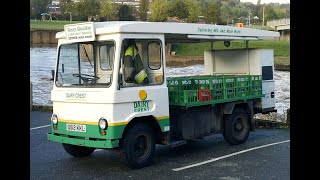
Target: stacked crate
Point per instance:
(202, 84)
(229, 87)
(255, 85)
(199, 90)
(242, 86)
(181, 91)
(217, 87)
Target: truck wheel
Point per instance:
(78, 151)
(236, 127)
(139, 146)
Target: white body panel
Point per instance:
(244, 61)
(268, 101)
(258, 59)
(116, 105)
(233, 61)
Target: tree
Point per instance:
(159, 10)
(125, 13)
(143, 10)
(88, 8)
(67, 5)
(179, 9)
(194, 10)
(37, 7)
(225, 14)
(270, 14)
(212, 13)
(108, 9)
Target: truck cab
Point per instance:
(107, 96)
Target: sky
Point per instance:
(267, 1)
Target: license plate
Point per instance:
(76, 127)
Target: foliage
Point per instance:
(159, 10)
(212, 13)
(108, 9)
(178, 8)
(67, 5)
(194, 10)
(37, 7)
(125, 13)
(88, 8)
(143, 10)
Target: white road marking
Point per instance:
(229, 155)
(40, 127)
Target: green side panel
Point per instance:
(164, 122)
(97, 143)
(92, 131)
(93, 136)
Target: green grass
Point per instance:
(282, 60)
(281, 48)
(49, 25)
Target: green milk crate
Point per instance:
(216, 82)
(181, 98)
(242, 92)
(256, 90)
(217, 94)
(229, 82)
(229, 93)
(179, 83)
(201, 82)
(243, 81)
(256, 80)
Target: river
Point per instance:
(42, 61)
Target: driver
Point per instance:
(133, 67)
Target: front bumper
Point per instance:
(81, 141)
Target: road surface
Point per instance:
(265, 155)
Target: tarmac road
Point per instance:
(265, 155)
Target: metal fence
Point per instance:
(278, 22)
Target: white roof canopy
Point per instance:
(179, 32)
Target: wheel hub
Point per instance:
(140, 146)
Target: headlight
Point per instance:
(103, 124)
(54, 119)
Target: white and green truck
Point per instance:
(98, 105)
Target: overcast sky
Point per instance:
(267, 1)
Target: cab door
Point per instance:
(148, 99)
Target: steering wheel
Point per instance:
(87, 78)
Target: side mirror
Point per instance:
(226, 43)
(52, 75)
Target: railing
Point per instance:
(278, 22)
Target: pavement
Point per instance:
(265, 155)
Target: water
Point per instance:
(42, 61)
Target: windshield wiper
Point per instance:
(85, 51)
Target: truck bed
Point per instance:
(191, 91)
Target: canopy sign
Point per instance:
(79, 32)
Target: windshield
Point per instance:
(85, 65)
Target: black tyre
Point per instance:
(78, 151)
(139, 146)
(236, 127)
